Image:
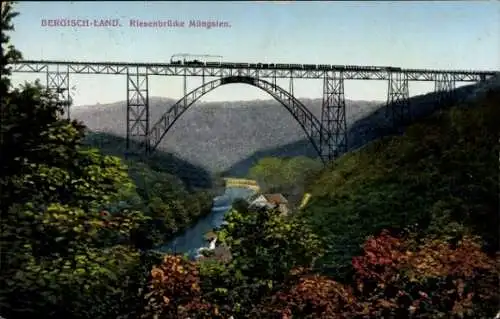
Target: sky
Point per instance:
(441, 35)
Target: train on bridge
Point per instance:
(216, 61)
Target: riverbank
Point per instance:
(193, 238)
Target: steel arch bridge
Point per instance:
(309, 123)
(328, 135)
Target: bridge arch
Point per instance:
(309, 123)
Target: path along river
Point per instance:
(192, 239)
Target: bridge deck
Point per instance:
(258, 70)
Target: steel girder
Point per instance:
(329, 137)
(333, 117)
(444, 86)
(309, 123)
(351, 72)
(58, 84)
(398, 98)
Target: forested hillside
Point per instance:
(193, 176)
(172, 192)
(441, 176)
(203, 138)
(404, 227)
(76, 228)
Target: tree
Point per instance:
(168, 203)
(432, 279)
(311, 296)
(174, 291)
(441, 174)
(266, 173)
(62, 255)
(284, 175)
(265, 246)
(9, 53)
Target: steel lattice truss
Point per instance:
(236, 69)
(328, 135)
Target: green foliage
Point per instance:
(165, 199)
(166, 191)
(265, 246)
(395, 277)
(441, 175)
(265, 242)
(9, 53)
(72, 220)
(62, 256)
(437, 270)
(192, 176)
(285, 176)
(74, 285)
(72, 216)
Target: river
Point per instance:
(193, 238)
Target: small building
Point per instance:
(219, 253)
(272, 201)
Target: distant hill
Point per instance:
(217, 136)
(231, 136)
(370, 124)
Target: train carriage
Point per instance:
(310, 66)
(240, 65)
(195, 63)
(392, 69)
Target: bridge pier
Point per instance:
(184, 88)
(444, 86)
(333, 138)
(290, 87)
(137, 110)
(398, 98)
(58, 83)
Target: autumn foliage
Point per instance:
(394, 278)
(434, 279)
(175, 290)
(313, 296)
